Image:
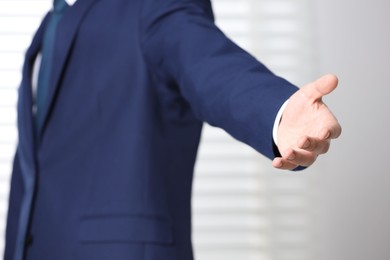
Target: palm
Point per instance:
(307, 125)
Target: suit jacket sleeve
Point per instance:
(224, 85)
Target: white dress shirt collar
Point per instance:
(70, 2)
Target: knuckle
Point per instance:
(326, 147)
(313, 145)
(310, 159)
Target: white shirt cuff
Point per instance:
(277, 121)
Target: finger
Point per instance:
(332, 132)
(282, 164)
(301, 157)
(310, 144)
(321, 87)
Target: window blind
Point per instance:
(242, 208)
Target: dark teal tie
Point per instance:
(47, 50)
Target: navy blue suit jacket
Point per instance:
(109, 175)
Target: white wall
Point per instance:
(353, 41)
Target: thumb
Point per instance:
(321, 87)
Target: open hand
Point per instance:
(307, 125)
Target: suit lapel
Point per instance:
(25, 104)
(66, 30)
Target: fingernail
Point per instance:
(278, 164)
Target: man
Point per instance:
(109, 127)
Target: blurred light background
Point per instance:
(243, 209)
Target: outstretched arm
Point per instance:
(307, 125)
